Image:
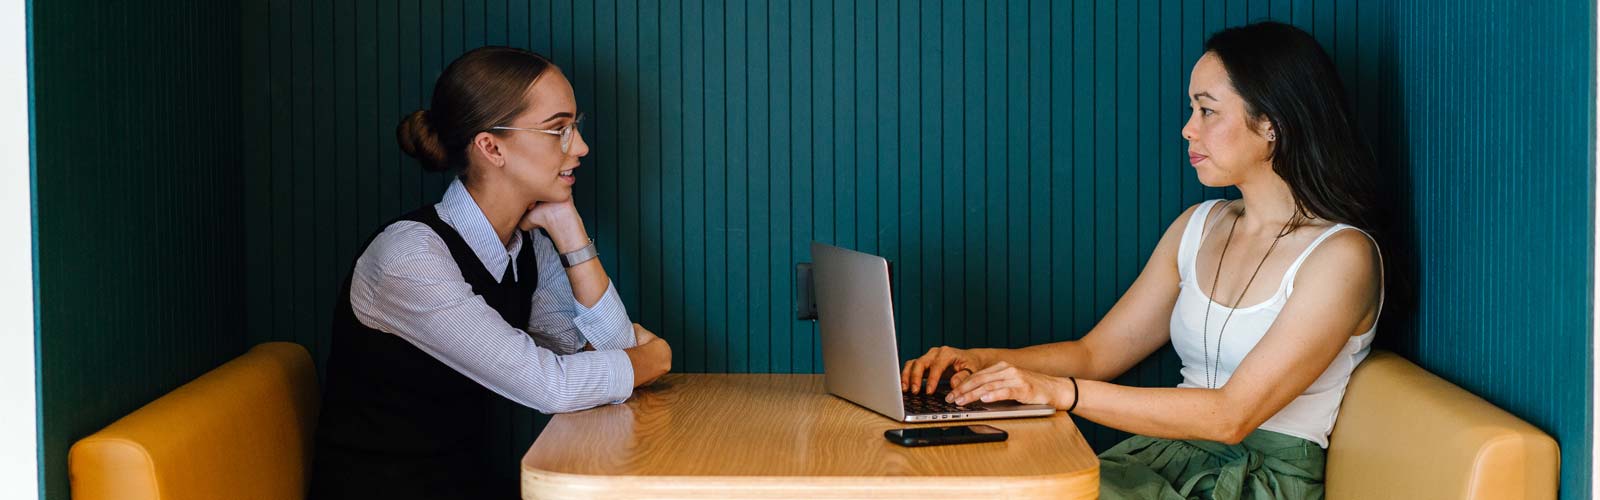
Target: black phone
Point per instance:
(931, 436)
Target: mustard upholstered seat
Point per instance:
(1406, 433)
(241, 431)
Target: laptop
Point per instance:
(860, 360)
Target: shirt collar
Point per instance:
(458, 210)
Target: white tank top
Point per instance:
(1311, 415)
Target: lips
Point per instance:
(1196, 158)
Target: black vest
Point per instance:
(397, 423)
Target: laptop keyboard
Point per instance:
(931, 403)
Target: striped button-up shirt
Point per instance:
(407, 284)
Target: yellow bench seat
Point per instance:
(1406, 433)
(241, 431)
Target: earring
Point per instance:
(1272, 136)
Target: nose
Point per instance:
(580, 147)
(1188, 131)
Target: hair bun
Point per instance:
(419, 140)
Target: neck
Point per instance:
(1268, 203)
(503, 208)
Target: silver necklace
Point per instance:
(1205, 338)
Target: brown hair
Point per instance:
(483, 88)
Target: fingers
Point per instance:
(937, 368)
(922, 374)
(987, 391)
(984, 376)
(918, 367)
(642, 336)
(997, 394)
(666, 354)
(963, 369)
(905, 376)
(528, 222)
(960, 375)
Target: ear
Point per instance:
(488, 145)
(1265, 128)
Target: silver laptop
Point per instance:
(860, 361)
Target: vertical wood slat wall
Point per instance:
(136, 184)
(1493, 109)
(728, 134)
(1017, 161)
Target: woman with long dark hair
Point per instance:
(1271, 300)
(490, 298)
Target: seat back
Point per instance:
(243, 430)
(1406, 433)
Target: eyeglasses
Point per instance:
(566, 133)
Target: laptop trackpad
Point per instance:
(997, 405)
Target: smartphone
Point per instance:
(932, 436)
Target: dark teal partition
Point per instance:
(140, 268)
(1017, 161)
(1493, 109)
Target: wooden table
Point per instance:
(783, 436)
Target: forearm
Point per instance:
(1171, 413)
(589, 280)
(1059, 359)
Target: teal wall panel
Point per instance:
(1017, 160)
(1491, 112)
(727, 134)
(140, 258)
(1014, 159)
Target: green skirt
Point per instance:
(1266, 465)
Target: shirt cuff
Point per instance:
(621, 373)
(606, 325)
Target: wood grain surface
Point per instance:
(782, 436)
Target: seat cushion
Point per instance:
(241, 431)
(1406, 433)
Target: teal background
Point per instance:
(199, 164)
(1492, 109)
(136, 173)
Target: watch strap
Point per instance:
(580, 255)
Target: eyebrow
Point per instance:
(562, 114)
(1206, 95)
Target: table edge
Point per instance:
(537, 483)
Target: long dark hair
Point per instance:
(483, 88)
(1285, 76)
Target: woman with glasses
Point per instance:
(1270, 300)
(494, 294)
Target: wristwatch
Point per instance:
(580, 255)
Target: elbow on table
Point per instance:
(553, 402)
(560, 406)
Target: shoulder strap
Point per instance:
(1383, 278)
(1213, 223)
(1294, 268)
(1193, 235)
(459, 249)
